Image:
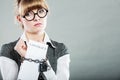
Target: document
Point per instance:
(29, 70)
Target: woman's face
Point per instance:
(35, 25)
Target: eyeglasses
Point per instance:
(29, 16)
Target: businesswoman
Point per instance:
(34, 56)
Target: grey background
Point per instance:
(89, 28)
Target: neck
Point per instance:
(39, 37)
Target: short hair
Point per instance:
(23, 6)
(27, 5)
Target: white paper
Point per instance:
(29, 70)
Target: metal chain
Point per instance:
(35, 61)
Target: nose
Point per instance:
(36, 17)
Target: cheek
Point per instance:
(29, 24)
(45, 21)
(25, 23)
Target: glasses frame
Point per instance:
(36, 14)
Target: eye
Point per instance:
(29, 13)
(40, 11)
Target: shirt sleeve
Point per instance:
(5, 51)
(63, 71)
(8, 68)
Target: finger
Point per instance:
(22, 44)
(24, 47)
(21, 47)
(18, 45)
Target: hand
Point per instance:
(21, 48)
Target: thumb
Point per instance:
(25, 45)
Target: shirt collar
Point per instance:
(46, 39)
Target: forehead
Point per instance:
(34, 10)
(31, 8)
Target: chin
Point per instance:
(38, 31)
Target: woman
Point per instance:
(34, 55)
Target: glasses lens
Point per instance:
(42, 13)
(29, 15)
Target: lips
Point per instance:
(37, 24)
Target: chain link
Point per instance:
(35, 61)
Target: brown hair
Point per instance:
(25, 5)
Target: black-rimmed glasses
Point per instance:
(29, 16)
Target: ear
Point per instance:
(18, 18)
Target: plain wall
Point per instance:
(89, 28)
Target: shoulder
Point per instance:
(7, 48)
(9, 45)
(61, 48)
(58, 45)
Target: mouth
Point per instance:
(38, 24)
